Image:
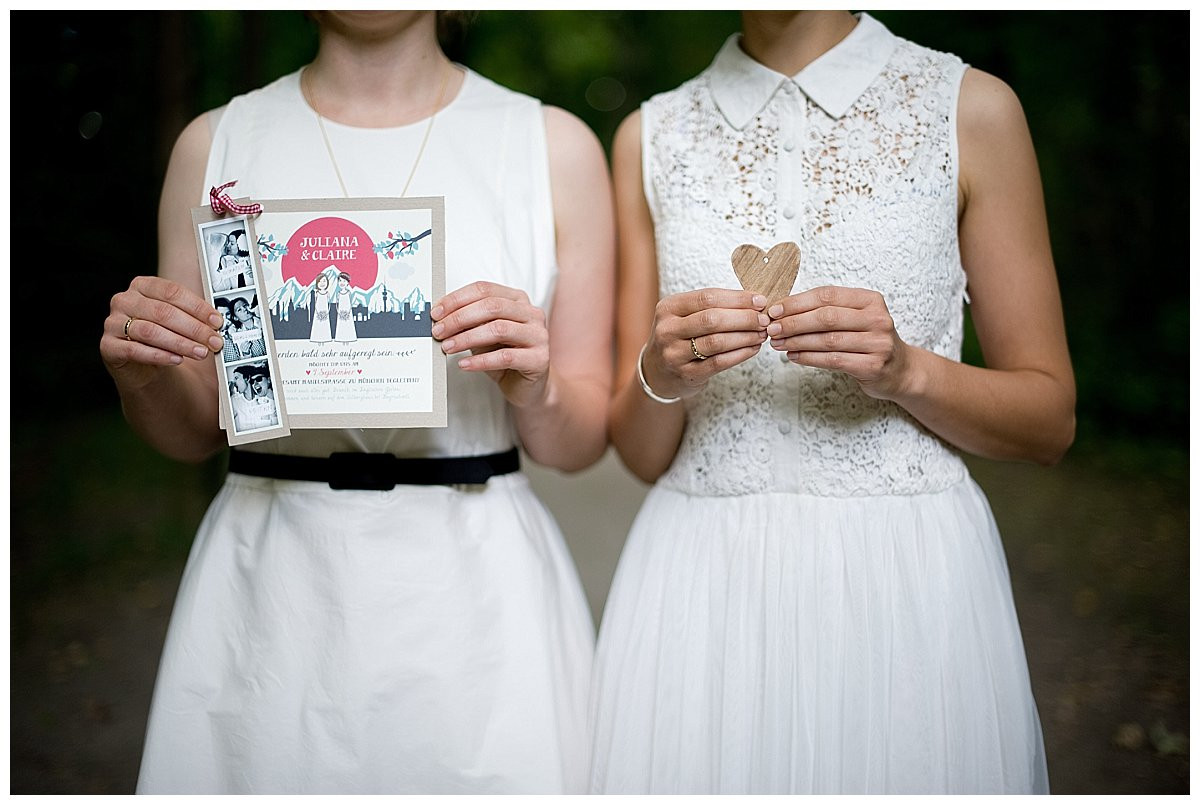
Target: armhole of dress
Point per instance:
(542, 202)
(955, 166)
(542, 184)
(646, 123)
(502, 151)
(213, 117)
(498, 179)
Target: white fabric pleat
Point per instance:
(427, 640)
(793, 643)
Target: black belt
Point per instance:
(380, 471)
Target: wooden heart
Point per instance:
(772, 273)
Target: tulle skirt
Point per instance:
(790, 643)
(421, 640)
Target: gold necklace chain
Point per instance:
(310, 96)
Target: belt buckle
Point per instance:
(376, 471)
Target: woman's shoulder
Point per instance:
(568, 133)
(490, 102)
(987, 102)
(672, 112)
(284, 88)
(483, 95)
(270, 101)
(913, 55)
(684, 94)
(992, 132)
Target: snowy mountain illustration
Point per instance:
(416, 300)
(379, 312)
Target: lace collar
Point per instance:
(741, 86)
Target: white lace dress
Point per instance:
(814, 597)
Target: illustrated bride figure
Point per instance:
(322, 327)
(346, 332)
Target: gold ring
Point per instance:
(127, 323)
(700, 356)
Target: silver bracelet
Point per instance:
(646, 386)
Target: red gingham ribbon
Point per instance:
(222, 203)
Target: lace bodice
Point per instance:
(869, 193)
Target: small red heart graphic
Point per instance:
(360, 371)
(308, 371)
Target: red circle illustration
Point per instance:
(325, 242)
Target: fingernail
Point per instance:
(200, 352)
(437, 329)
(448, 346)
(175, 359)
(436, 313)
(777, 342)
(216, 320)
(216, 343)
(775, 328)
(465, 363)
(763, 319)
(759, 300)
(776, 311)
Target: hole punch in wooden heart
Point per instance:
(771, 273)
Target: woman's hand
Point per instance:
(845, 329)
(154, 324)
(504, 331)
(697, 334)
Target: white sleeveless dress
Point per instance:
(419, 640)
(814, 597)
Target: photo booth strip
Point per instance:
(248, 357)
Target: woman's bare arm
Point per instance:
(165, 372)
